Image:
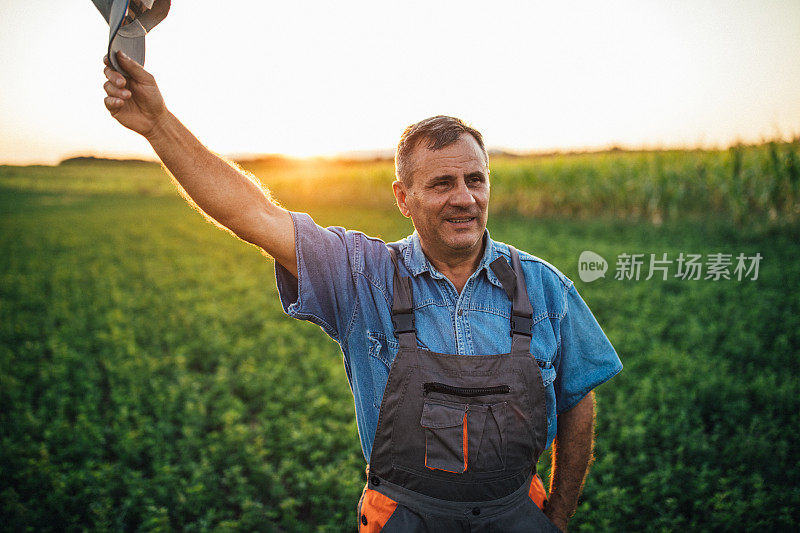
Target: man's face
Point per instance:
(448, 197)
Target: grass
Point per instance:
(150, 381)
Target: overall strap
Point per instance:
(513, 280)
(402, 307)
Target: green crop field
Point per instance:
(149, 380)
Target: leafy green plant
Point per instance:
(150, 381)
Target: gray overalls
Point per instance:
(458, 436)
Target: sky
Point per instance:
(321, 78)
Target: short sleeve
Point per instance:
(324, 291)
(585, 357)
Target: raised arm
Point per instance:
(217, 187)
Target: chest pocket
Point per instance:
(382, 352)
(548, 372)
(462, 436)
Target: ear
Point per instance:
(400, 194)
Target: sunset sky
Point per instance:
(305, 78)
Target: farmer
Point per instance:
(466, 358)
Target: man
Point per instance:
(466, 358)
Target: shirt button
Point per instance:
(460, 312)
(476, 511)
(364, 519)
(376, 481)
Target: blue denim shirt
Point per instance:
(344, 285)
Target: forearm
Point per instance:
(572, 455)
(213, 184)
(219, 189)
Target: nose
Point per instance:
(462, 196)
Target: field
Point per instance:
(150, 381)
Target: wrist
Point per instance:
(559, 523)
(159, 128)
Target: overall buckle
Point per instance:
(403, 323)
(521, 325)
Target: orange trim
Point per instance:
(536, 492)
(376, 509)
(465, 441)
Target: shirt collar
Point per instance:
(416, 262)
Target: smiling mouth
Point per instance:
(461, 221)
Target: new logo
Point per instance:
(591, 266)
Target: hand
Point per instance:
(560, 523)
(135, 101)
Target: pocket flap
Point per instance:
(439, 415)
(548, 375)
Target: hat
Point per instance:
(128, 22)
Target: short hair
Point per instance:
(439, 131)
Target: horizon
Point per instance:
(388, 154)
(550, 79)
